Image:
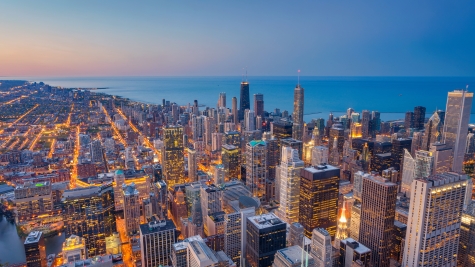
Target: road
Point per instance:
(126, 247)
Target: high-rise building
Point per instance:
(319, 155)
(422, 165)
(273, 156)
(365, 124)
(290, 167)
(256, 167)
(259, 105)
(244, 102)
(351, 251)
(198, 127)
(355, 222)
(89, 213)
(297, 115)
(235, 111)
(442, 157)
(35, 250)
(173, 160)
(235, 231)
(293, 143)
(249, 120)
(211, 199)
(33, 199)
(378, 208)
(95, 148)
(222, 100)
(296, 236)
(192, 164)
(419, 117)
(230, 159)
(466, 252)
(131, 208)
(409, 121)
(337, 132)
(210, 128)
(321, 247)
(457, 116)
(433, 227)
(156, 242)
(232, 138)
(318, 204)
(433, 131)
(266, 234)
(293, 256)
(397, 151)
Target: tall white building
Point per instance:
(319, 155)
(131, 208)
(249, 120)
(457, 117)
(256, 167)
(235, 233)
(321, 247)
(290, 168)
(422, 165)
(433, 226)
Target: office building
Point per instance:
(266, 234)
(173, 161)
(293, 143)
(259, 105)
(296, 236)
(289, 185)
(297, 115)
(442, 157)
(33, 199)
(230, 159)
(234, 110)
(35, 250)
(281, 129)
(198, 127)
(222, 100)
(293, 256)
(351, 251)
(419, 117)
(249, 120)
(397, 152)
(378, 205)
(244, 102)
(74, 249)
(192, 164)
(273, 156)
(336, 131)
(355, 222)
(131, 208)
(422, 165)
(235, 231)
(211, 199)
(321, 247)
(433, 227)
(319, 155)
(95, 149)
(466, 252)
(457, 117)
(433, 131)
(156, 242)
(365, 124)
(409, 121)
(256, 167)
(318, 203)
(89, 213)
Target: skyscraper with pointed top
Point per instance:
(297, 116)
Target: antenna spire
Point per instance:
(298, 78)
(466, 87)
(246, 74)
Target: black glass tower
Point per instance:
(244, 102)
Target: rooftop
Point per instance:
(33, 237)
(358, 247)
(257, 143)
(293, 254)
(156, 226)
(265, 220)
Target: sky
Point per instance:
(214, 38)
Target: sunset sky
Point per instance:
(155, 38)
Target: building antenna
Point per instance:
(246, 73)
(242, 80)
(298, 78)
(466, 88)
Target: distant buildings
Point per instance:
(297, 115)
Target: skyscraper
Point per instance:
(433, 226)
(265, 235)
(192, 164)
(235, 110)
(173, 160)
(222, 100)
(321, 247)
(365, 124)
(433, 131)
(249, 120)
(230, 159)
(318, 203)
(409, 121)
(89, 213)
(156, 242)
(273, 155)
(131, 208)
(256, 167)
(419, 117)
(422, 165)
(378, 208)
(290, 167)
(244, 102)
(259, 105)
(297, 115)
(351, 251)
(198, 127)
(35, 250)
(235, 231)
(457, 116)
(293, 256)
(466, 253)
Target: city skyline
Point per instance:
(77, 38)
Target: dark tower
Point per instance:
(244, 102)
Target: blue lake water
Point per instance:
(392, 96)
